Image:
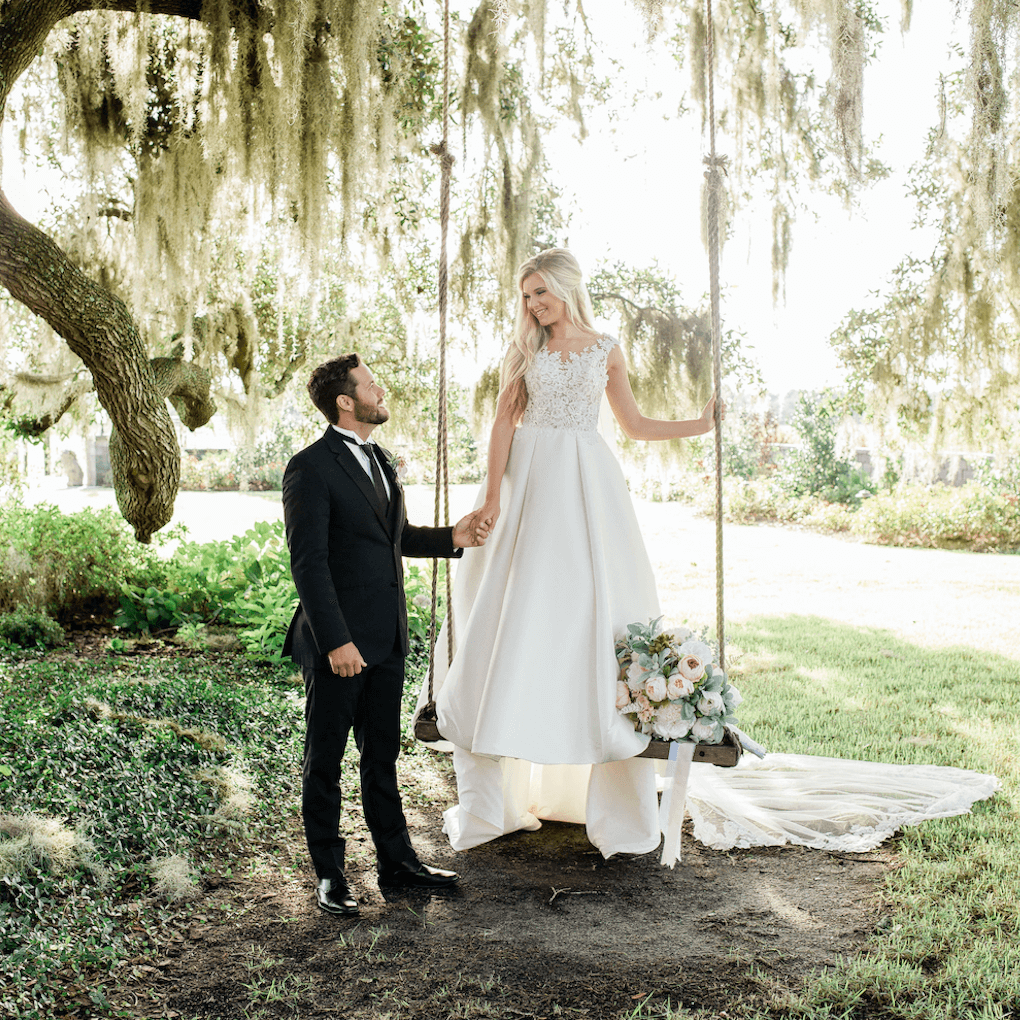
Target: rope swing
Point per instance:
(728, 752)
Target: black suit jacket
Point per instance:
(345, 555)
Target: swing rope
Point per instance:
(425, 724)
(713, 175)
(442, 457)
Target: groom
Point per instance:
(347, 530)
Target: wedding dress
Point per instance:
(528, 702)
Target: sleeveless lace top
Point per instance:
(565, 390)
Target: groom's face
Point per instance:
(368, 400)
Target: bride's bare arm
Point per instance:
(633, 422)
(500, 438)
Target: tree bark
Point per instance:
(144, 454)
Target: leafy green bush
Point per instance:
(264, 614)
(65, 564)
(748, 443)
(940, 516)
(150, 610)
(215, 471)
(816, 469)
(260, 467)
(418, 592)
(27, 628)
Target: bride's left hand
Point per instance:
(470, 531)
(708, 415)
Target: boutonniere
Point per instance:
(397, 465)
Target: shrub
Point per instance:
(27, 628)
(64, 564)
(816, 469)
(939, 516)
(214, 471)
(150, 610)
(748, 446)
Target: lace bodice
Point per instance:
(565, 390)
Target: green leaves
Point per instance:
(115, 788)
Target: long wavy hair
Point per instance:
(563, 279)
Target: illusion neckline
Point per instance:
(570, 355)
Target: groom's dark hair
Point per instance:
(331, 380)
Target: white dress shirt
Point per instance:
(362, 455)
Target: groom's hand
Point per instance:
(346, 660)
(470, 531)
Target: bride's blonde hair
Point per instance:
(563, 279)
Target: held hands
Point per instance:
(489, 512)
(346, 660)
(470, 531)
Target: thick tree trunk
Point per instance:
(144, 454)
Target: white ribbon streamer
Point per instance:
(674, 799)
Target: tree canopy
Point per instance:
(220, 154)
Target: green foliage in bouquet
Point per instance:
(669, 685)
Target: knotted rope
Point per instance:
(442, 459)
(713, 176)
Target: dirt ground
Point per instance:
(541, 926)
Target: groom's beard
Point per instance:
(370, 414)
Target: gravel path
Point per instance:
(931, 597)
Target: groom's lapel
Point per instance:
(346, 459)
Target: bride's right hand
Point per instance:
(488, 512)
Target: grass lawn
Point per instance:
(952, 945)
(125, 780)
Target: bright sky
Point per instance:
(636, 186)
(633, 188)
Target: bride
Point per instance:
(529, 699)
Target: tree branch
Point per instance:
(99, 329)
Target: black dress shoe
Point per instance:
(335, 897)
(415, 875)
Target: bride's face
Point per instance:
(541, 302)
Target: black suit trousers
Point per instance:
(368, 704)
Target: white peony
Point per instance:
(679, 687)
(655, 688)
(733, 696)
(670, 723)
(677, 632)
(691, 667)
(636, 674)
(704, 730)
(695, 647)
(711, 703)
(622, 695)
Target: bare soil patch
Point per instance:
(541, 926)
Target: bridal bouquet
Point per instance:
(669, 686)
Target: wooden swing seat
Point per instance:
(725, 754)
